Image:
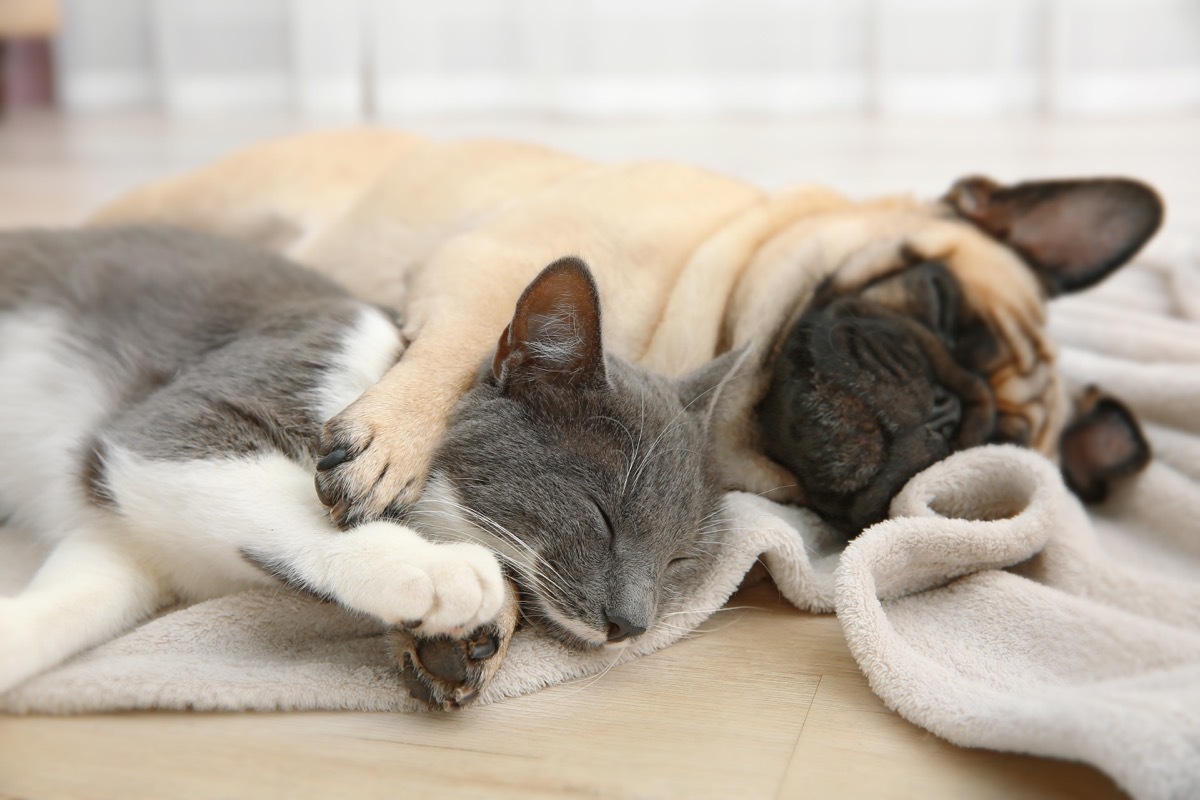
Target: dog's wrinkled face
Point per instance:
(933, 340)
(866, 394)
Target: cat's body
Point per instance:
(161, 394)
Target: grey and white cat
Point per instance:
(161, 394)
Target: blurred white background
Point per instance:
(869, 96)
(384, 59)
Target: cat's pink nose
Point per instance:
(620, 629)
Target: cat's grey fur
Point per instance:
(610, 486)
(165, 390)
(228, 345)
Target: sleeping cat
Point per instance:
(162, 393)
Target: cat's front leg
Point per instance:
(89, 591)
(391, 573)
(262, 510)
(450, 672)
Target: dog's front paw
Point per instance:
(374, 459)
(446, 672)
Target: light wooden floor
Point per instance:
(766, 702)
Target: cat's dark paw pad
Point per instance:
(446, 673)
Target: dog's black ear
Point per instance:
(554, 337)
(1073, 233)
(1102, 444)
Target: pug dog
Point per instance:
(928, 337)
(889, 332)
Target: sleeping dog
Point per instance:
(889, 332)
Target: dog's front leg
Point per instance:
(376, 453)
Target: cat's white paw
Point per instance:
(405, 580)
(468, 588)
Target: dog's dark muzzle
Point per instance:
(861, 399)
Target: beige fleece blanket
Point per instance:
(991, 609)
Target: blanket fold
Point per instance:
(990, 609)
(1069, 654)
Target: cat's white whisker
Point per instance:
(709, 610)
(521, 564)
(713, 530)
(528, 563)
(631, 454)
(592, 679)
(655, 454)
(637, 447)
(720, 524)
(527, 558)
(721, 541)
(776, 488)
(696, 631)
(716, 528)
(667, 429)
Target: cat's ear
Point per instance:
(723, 387)
(554, 337)
(1073, 233)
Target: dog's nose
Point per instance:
(620, 629)
(946, 412)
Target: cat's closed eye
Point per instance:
(608, 525)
